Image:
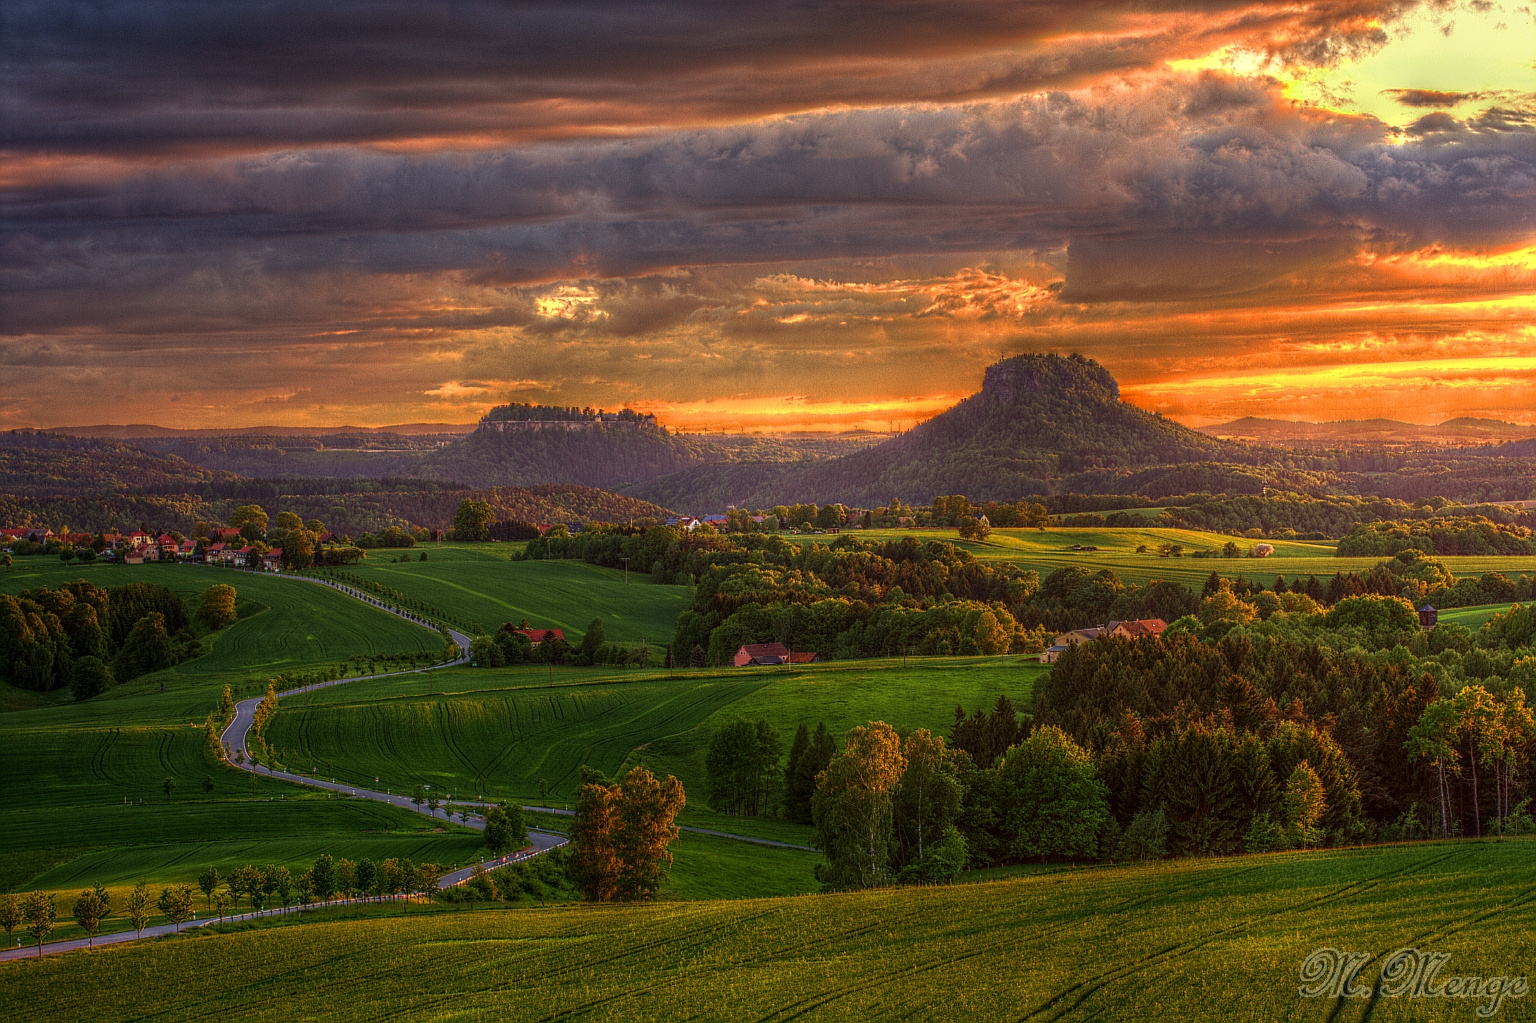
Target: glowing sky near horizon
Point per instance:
(747, 217)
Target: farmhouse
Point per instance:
(1136, 629)
(537, 636)
(772, 653)
(1052, 654)
(760, 653)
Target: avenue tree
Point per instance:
(92, 907)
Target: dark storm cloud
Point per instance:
(155, 76)
(1198, 172)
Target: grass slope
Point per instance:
(285, 625)
(1473, 617)
(1050, 549)
(84, 781)
(481, 583)
(1193, 940)
(501, 733)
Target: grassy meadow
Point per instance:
(85, 798)
(481, 583)
(1191, 940)
(1049, 549)
(1473, 617)
(285, 625)
(501, 733)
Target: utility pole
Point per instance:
(626, 570)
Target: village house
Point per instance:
(537, 636)
(760, 653)
(772, 653)
(1136, 629)
(272, 561)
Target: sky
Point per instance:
(764, 217)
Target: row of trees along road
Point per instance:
(39, 911)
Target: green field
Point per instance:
(85, 780)
(1045, 551)
(1473, 617)
(479, 582)
(285, 624)
(1192, 940)
(500, 733)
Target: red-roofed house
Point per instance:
(760, 653)
(1138, 628)
(537, 636)
(272, 561)
(804, 657)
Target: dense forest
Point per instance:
(1405, 733)
(338, 456)
(1449, 535)
(611, 458)
(44, 464)
(349, 507)
(86, 636)
(1240, 730)
(855, 598)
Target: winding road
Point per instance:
(238, 732)
(236, 735)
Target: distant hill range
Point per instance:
(44, 464)
(134, 431)
(1371, 433)
(525, 444)
(1040, 423)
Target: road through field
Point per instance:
(239, 729)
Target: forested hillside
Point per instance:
(612, 458)
(34, 463)
(339, 456)
(343, 507)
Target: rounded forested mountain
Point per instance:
(1039, 424)
(1037, 418)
